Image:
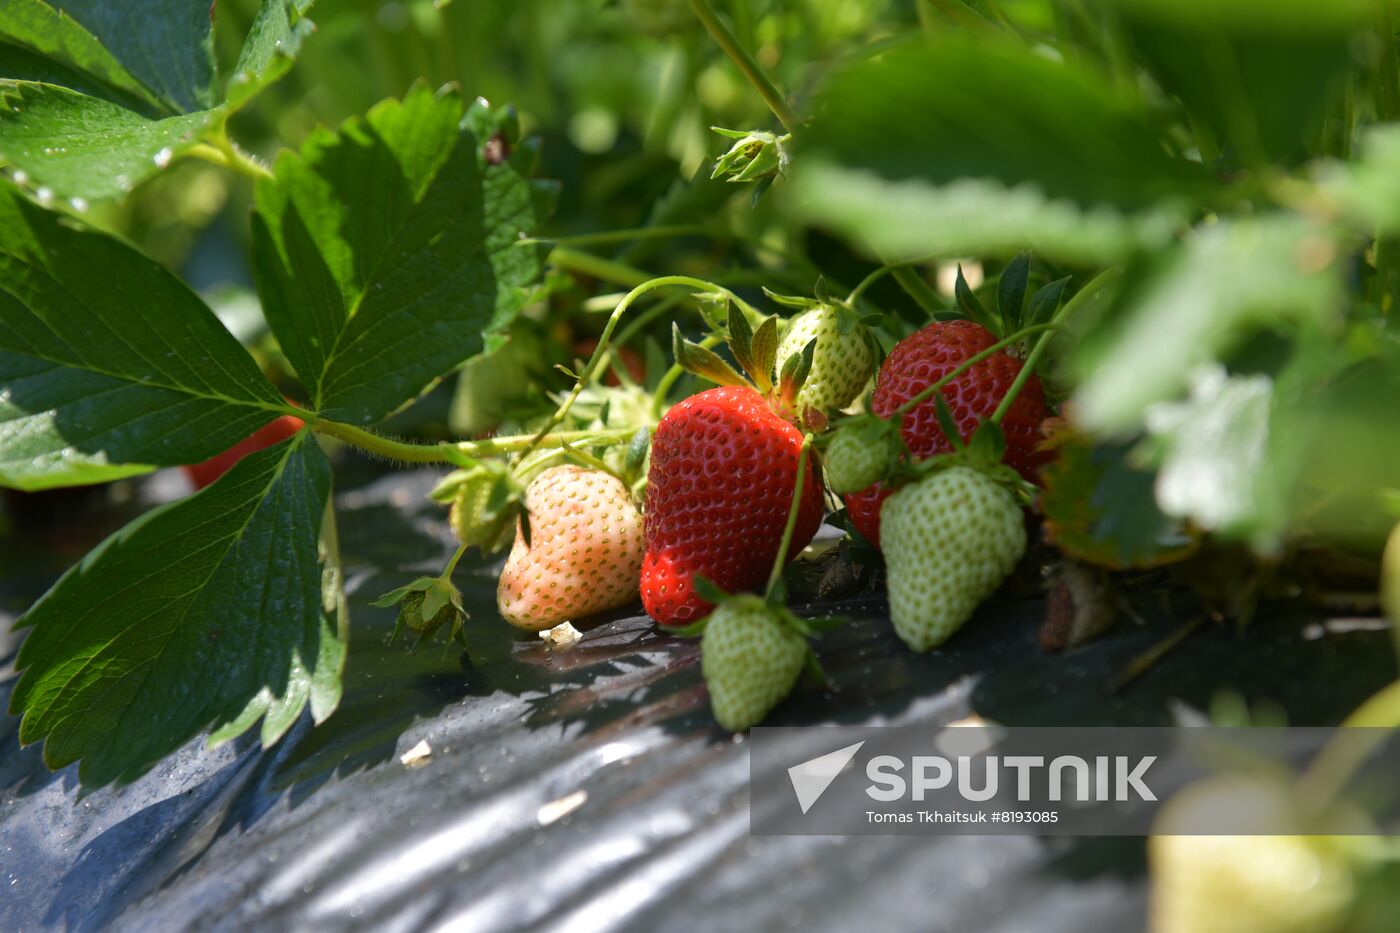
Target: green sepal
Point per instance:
(972, 308)
(637, 449)
(740, 337)
(946, 423)
(707, 590)
(1045, 302)
(1011, 291)
(988, 444)
(704, 363)
(765, 354)
(796, 369)
(797, 302)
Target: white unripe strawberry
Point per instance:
(751, 658)
(584, 554)
(949, 539)
(842, 361)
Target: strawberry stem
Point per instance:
(454, 453)
(601, 351)
(780, 561)
(740, 56)
(1043, 344)
(868, 281)
(452, 564)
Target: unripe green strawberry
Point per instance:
(584, 554)
(949, 539)
(751, 658)
(860, 455)
(843, 359)
(1243, 884)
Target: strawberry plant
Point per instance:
(1095, 293)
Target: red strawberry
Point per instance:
(920, 360)
(723, 469)
(202, 474)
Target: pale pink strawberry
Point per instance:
(584, 554)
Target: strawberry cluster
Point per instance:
(735, 489)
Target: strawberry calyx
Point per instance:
(428, 605)
(756, 352)
(485, 499)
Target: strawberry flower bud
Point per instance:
(755, 156)
(485, 500)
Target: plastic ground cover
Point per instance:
(589, 788)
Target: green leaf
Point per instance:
(165, 46)
(1211, 451)
(109, 363)
(177, 622)
(56, 34)
(21, 64)
(1368, 189)
(913, 219)
(271, 46)
(998, 111)
(1100, 507)
(1261, 74)
(84, 147)
(1192, 305)
(373, 298)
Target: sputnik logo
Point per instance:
(811, 778)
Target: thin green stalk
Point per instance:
(601, 351)
(622, 236)
(780, 561)
(217, 148)
(453, 452)
(740, 56)
(1027, 368)
(452, 564)
(922, 293)
(608, 270)
(868, 281)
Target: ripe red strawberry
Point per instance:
(920, 360)
(202, 474)
(723, 470)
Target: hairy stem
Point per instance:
(740, 56)
(220, 150)
(453, 452)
